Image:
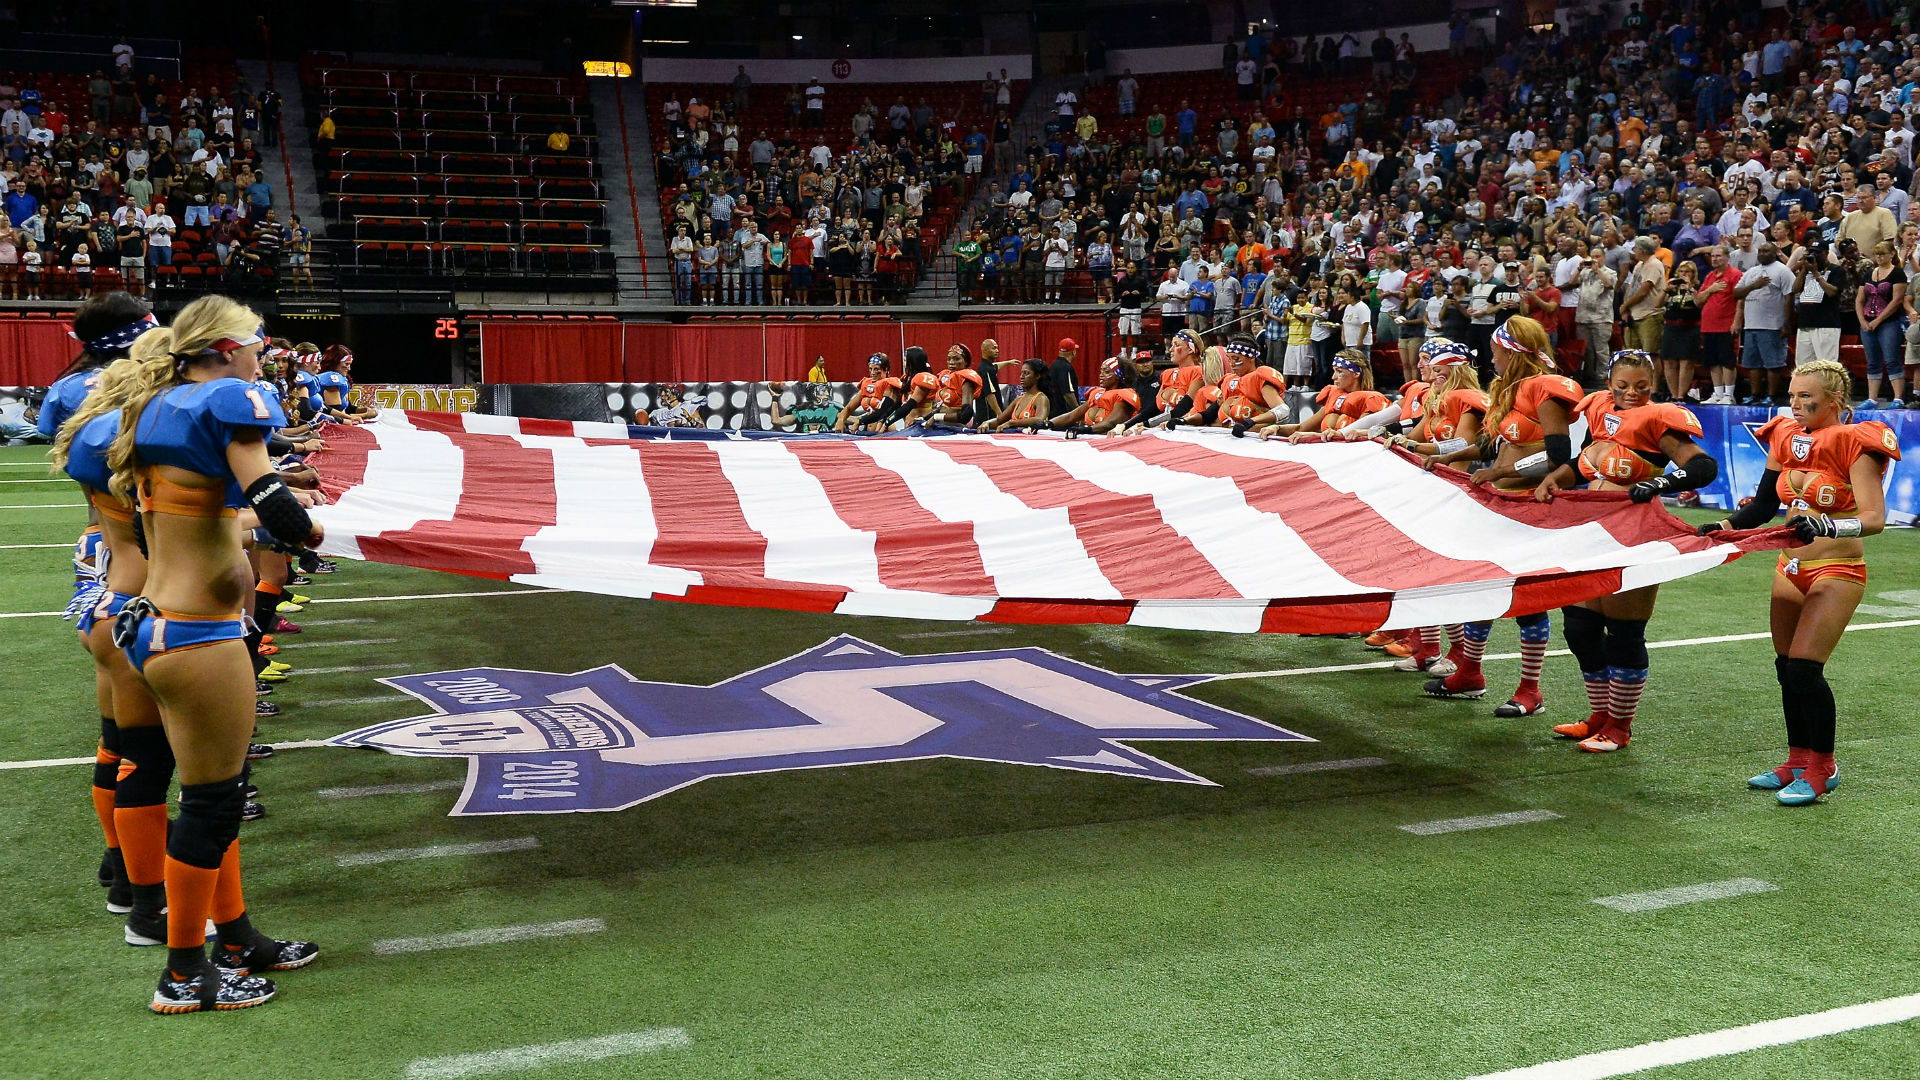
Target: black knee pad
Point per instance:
(147, 750)
(1627, 643)
(107, 773)
(1586, 634)
(209, 822)
(1806, 682)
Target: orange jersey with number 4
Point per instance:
(1521, 425)
(1816, 467)
(1103, 402)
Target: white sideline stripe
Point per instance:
(440, 851)
(390, 789)
(517, 1058)
(1482, 821)
(1317, 766)
(1329, 669)
(928, 634)
(377, 699)
(377, 599)
(1686, 894)
(349, 667)
(47, 480)
(42, 763)
(334, 622)
(44, 506)
(22, 547)
(339, 644)
(1713, 1044)
(495, 936)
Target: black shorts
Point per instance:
(1716, 350)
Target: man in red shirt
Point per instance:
(1717, 307)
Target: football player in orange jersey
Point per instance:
(1829, 473)
(1401, 414)
(959, 386)
(1202, 403)
(1109, 406)
(1252, 394)
(917, 396)
(1631, 440)
(1530, 410)
(1347, 398)
(1028, 409)
(875, 391)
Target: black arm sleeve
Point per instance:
(279, 444)
(1559, 450)
(1182, 407)
(280, 513)
(1766, 501)
(1211, 415)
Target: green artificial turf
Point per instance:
(947, 919)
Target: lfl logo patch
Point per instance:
(545, 742)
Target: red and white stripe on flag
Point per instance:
(1190, 530)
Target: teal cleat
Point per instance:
(1770, 780)
(1801, 793)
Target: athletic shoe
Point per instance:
(261, 689)
(267, 650)
(1457, 686)
(1607, 741)
(325, 566)
(146, 928)
(265, 708)
(1521, 705)
(1443, 667)
(282, 626)
(299, 579)
(1417, 662)
(249, 792)
(280, 666)
(1399, 649)
(1379, 639)
(106, 869)
(267, 675)
(1896, 403)
(210, 989)
(256, 751)
(288, 607)
(1770, 780)
(252, 811)
(296, 598)
(1581, 729)
(266, 955)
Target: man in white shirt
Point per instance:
(1520, 142)
(1391, 284)
(1172, 298)
(816, 104)
(1065, 100)
(1356, 321)
(1440, 127)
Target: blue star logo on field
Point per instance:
(601, 739)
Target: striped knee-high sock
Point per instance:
(1456, 639)
(1599, 691)
(1626, 685)
(1533, 652)
(1427, 641)
(1473, 646)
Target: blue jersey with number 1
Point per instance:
(189, 427)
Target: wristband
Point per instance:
(1848, 528)
(1449, 446)
(1533, 466)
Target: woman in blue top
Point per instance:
(190, 452)
(306, 380)
(336, 383)
(104, 326)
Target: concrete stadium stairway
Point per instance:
(633, 193)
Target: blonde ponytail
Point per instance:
(164, 355)
(108, 394)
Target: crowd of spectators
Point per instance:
(812, 215)
(117, 180)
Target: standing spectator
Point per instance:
(1880, 304)
(1594, 288)
(1642, 312)
(270, 118)
(816, 104)
(1062, 388)
(299, 251)
(1126, 90)
(742, 83)
(1763, 347)
(1200, 297)
(130, 238)
(1717, 311)
(1058, 252)
(1172, 295)
(1246, 76)
(160, 230)
(680, 250)
(753, 262)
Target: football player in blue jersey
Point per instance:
(336, 386)
(191, 452)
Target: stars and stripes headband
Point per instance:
(1632, 358)
(1110, 366)
(1241, 348)
(1505, 339)
(1450, 358)
(1190, 337)
(1343, 364)
(241, 342)
(119, 338)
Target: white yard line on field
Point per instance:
(492, 936)
(519, 1058)
(1317, 766)
(1713, 1044)
(1685, 894)
(1479, 821)
(439, 851)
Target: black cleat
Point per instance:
(256, 751)
(119, 889)
(261, 689)
(264, 708)
(300, 579)
(210, 989)
(146, 928)
(325, 566)
(266, 955)
(252, 811)
(106, 869)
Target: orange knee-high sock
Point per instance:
(143, 831)
(190, 892)
(229, 903)
(103, 796)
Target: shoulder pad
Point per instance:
(1878, 438)
(1773, 429)
(1679, 418)
(332, 380)
(242, 404)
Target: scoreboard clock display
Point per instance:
(387, 348)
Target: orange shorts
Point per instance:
(1802, 573)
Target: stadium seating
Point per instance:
(448, 172)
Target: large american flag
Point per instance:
(1194, 530)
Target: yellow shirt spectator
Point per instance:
(1087, 126)
(559, 141)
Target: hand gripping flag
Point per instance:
(1193, 530)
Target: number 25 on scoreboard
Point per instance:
(446, 329)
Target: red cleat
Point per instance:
(1522, 703)
(1581, 729)
(285, 627)
(1458, 685)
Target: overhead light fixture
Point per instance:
(796, 37)
(665, 41)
